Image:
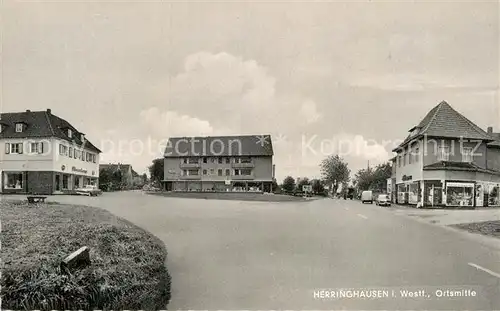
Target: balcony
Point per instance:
(190, 177)
(243, 177)
(243, 165)
(190, 165)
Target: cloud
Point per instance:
(309, 111)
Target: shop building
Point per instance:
(44, 154)
(448, 161)
(222, 164)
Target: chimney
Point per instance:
(490, 130)
(49, 111)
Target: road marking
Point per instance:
(362, 216)
(484, 270)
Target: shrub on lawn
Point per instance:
(128, 268)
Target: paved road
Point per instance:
(252, 255)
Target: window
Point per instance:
(185, 160)
(75, 153)
(212, 160)
(184, 173)
(14, 148)
(246, 172)
(417, 154)
(204, 160)
(70, 152)
(444, 153)
(211, 171)
(83, 154)
(36, 148)
(19, 127)
(236, 172)
(228, 160)
(205, 172)
(410, 157)
(219, 171)
(70, 133)
(94, 158)
(246, 160)
(236, 160)
(13, 180)
(228, 172)
(193, 172)
(467, 155)
(193, 161)
(398, 159)
(219, 160)
(63, 150)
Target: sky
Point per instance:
(321, 77)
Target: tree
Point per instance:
(317, 186)
(144, 178)
(302, 182)
(288, 184)
(157, 171)
(104, 179)
(374, 179)
(335, 169)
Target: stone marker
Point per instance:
(78, 259)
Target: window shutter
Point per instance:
(40, 147)
(7, 148)
(21, 148)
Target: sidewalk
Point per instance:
(446, 217)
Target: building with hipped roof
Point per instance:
(44, 154)
(447, 161)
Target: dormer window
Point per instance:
(19, 127)
(70, 133)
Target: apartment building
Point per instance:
(223, 163)
(44, 154)
(447, 161)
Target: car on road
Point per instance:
(89, 190)
(367, 196)
(383, 200)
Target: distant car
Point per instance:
(383, 200)
(89, 190)
(367, 196)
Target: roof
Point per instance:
(41, 124)
(496, 142)
(458, 166)
(444, 121)
(246, 145)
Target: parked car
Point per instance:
(89, 190)
(367, 196)
(383, 200)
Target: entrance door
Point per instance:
(58, 182)
(437, 196)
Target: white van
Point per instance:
(367, 196)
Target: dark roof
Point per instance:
(458, 166)
(41, 124)
(444, 121)
(246, 145)
(495, 143)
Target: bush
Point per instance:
(128, 268)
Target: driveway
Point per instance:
(254, 255)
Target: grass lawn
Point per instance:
(490, 228)
(238, 196)
(128, 264)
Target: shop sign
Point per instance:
(406, 178)
(78, 170)
(460, 185)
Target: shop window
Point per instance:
(65, 182)
(459, 194)
(13, 181)
(494, 195)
